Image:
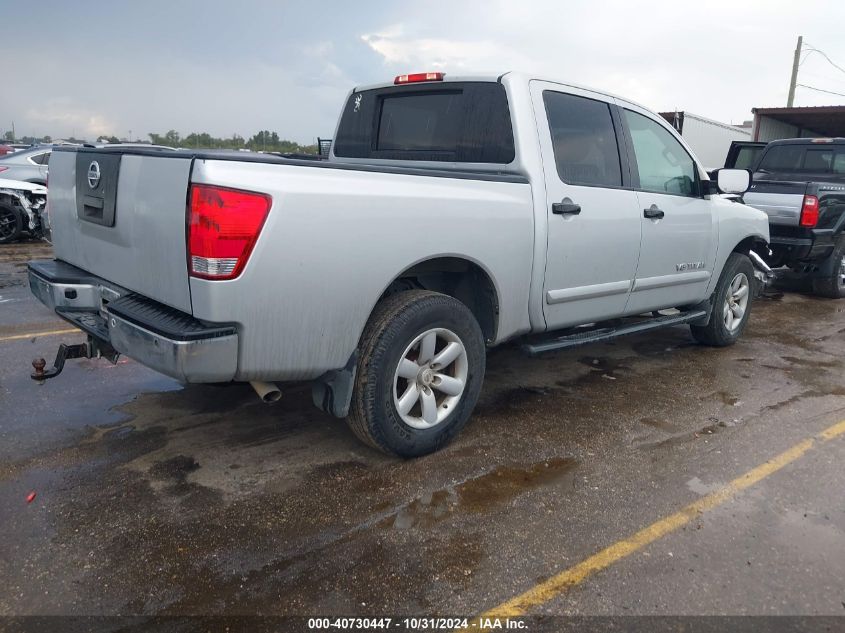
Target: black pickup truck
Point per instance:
(800, 184)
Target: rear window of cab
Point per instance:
(817, 159)
(462, 122)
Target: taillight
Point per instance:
(3, 168)
(809, 212)
(223, 226)
(418, 77)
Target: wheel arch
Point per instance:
(458, 276)
(751, 242)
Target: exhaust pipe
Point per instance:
(762, 273)
(267, 391)
(760, 264)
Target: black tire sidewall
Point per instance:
(4, 209)
(387, 426)
(830, 286)
(736, 264)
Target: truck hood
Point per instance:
(22, 185)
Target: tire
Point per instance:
(11, 224)
(725, 326)
(834, 286)
(399, 328)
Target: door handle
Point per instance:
(653, 213)
(566, 207)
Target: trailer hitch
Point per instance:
(92, 348)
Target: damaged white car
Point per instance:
(22, 210)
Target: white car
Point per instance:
(22, 209)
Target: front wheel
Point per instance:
(420, 369)
(833, 286)
(731, 304)
(11, 224)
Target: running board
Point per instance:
(608, 333)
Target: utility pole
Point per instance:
(794, 79)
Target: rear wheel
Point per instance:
(11, 224)
(731, 304)
(833, 286)
(420, 369)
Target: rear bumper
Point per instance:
(158, 336)
(811, 245)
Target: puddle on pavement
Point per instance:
(729, 399)
(482, 493)
(677, 437)
(508, 399)
(662, 425)
(699, 487)
(604, 364)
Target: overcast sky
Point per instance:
(107, 67)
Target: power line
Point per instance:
(813, 49)
(830, 92)
(837, 80)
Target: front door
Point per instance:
(679, 232)
(593, 224)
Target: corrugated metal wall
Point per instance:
(768, 129)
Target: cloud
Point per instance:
(287, 66)
(396, 48)
(63, 114)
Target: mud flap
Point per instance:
(828, 266)
(332, 392)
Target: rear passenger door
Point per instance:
(593, 224)
(678, 227)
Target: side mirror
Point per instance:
(733, 180)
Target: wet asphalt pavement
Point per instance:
(155, 498)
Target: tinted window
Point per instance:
(426, 121)
(818, 160)
(584, 141)
(40, 159)
(782, 158)
(464, 122)
(663, 165)
(800, 158)
(746, 157)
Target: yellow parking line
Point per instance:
(559, 583)
(18, 337)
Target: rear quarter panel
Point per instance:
(335, 239)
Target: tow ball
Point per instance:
(92, 348)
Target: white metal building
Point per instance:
(709, 139)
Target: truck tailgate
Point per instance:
(129, 227)
(781, 201)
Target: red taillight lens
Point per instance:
(809, 211)
(3, 168)
(223, 226)
(418, 77)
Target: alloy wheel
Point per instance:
(736, 302)
(430, 378)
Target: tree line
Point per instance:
(263, 141)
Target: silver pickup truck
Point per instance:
(452, 214)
